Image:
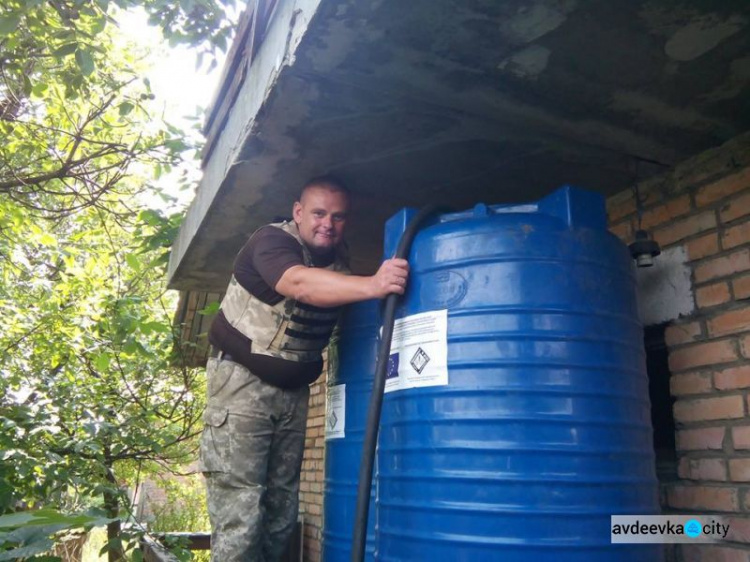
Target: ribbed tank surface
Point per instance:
(357, 350)
(541, 429)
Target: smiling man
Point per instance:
(278, 314)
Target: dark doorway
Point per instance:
(662, 419)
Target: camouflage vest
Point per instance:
(290, 329)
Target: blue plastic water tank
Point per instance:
(542, 429)
(357, 354)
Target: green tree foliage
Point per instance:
(92, 388)
(67, 86)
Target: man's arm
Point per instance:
(320, 287)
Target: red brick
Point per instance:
(683, 228)
(693, 383)
(733, 378)
(736, 236)
(623, 230)
(730, 322)
(712, 295)
(703, 247)
(745, 346)
(665, 212)
(739, 470)
(706, 409)
(723, 188)
(723, 266)
(701, 354)
(741, 287)
(703, 439)
(677, 334)
(703, 469)
(741, 437)
(314, 509)
(712, 553)
(703, 497)
(735, 208)
(620, 205)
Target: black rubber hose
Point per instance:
(359, 541)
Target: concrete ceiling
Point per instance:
(462, 101)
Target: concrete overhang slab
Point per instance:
(460, 102)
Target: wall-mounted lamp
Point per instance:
(644, 249)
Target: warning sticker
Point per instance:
(336, 412)
(419, 351)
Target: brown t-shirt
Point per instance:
(258, 268)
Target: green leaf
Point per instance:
(27, 86)
(112, 544)
(99, 24)
(212, 308)
(39, 89)
(125, 108)
(102, 361)
(47, 239)
(36, 547)
(16, 519)
(9, 24)
(65, 50)
(159, 327)
(44, 517)
(85, 61)
(133, 261)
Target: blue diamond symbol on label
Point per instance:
(332, 419)
(420, 360)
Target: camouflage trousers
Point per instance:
(251, 455)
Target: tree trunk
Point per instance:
(112, 507)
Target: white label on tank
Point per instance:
(419, 351)
(336, 412)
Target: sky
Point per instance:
(180, 89)
(173, 73)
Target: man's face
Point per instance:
(321, 216)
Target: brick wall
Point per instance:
(704, 205)
(311, 484)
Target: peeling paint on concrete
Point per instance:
(701, 36)
(528, 63)
(664, 290)
(739, 77)
(645, 107)
(536, 20)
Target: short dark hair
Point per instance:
(328, 181)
